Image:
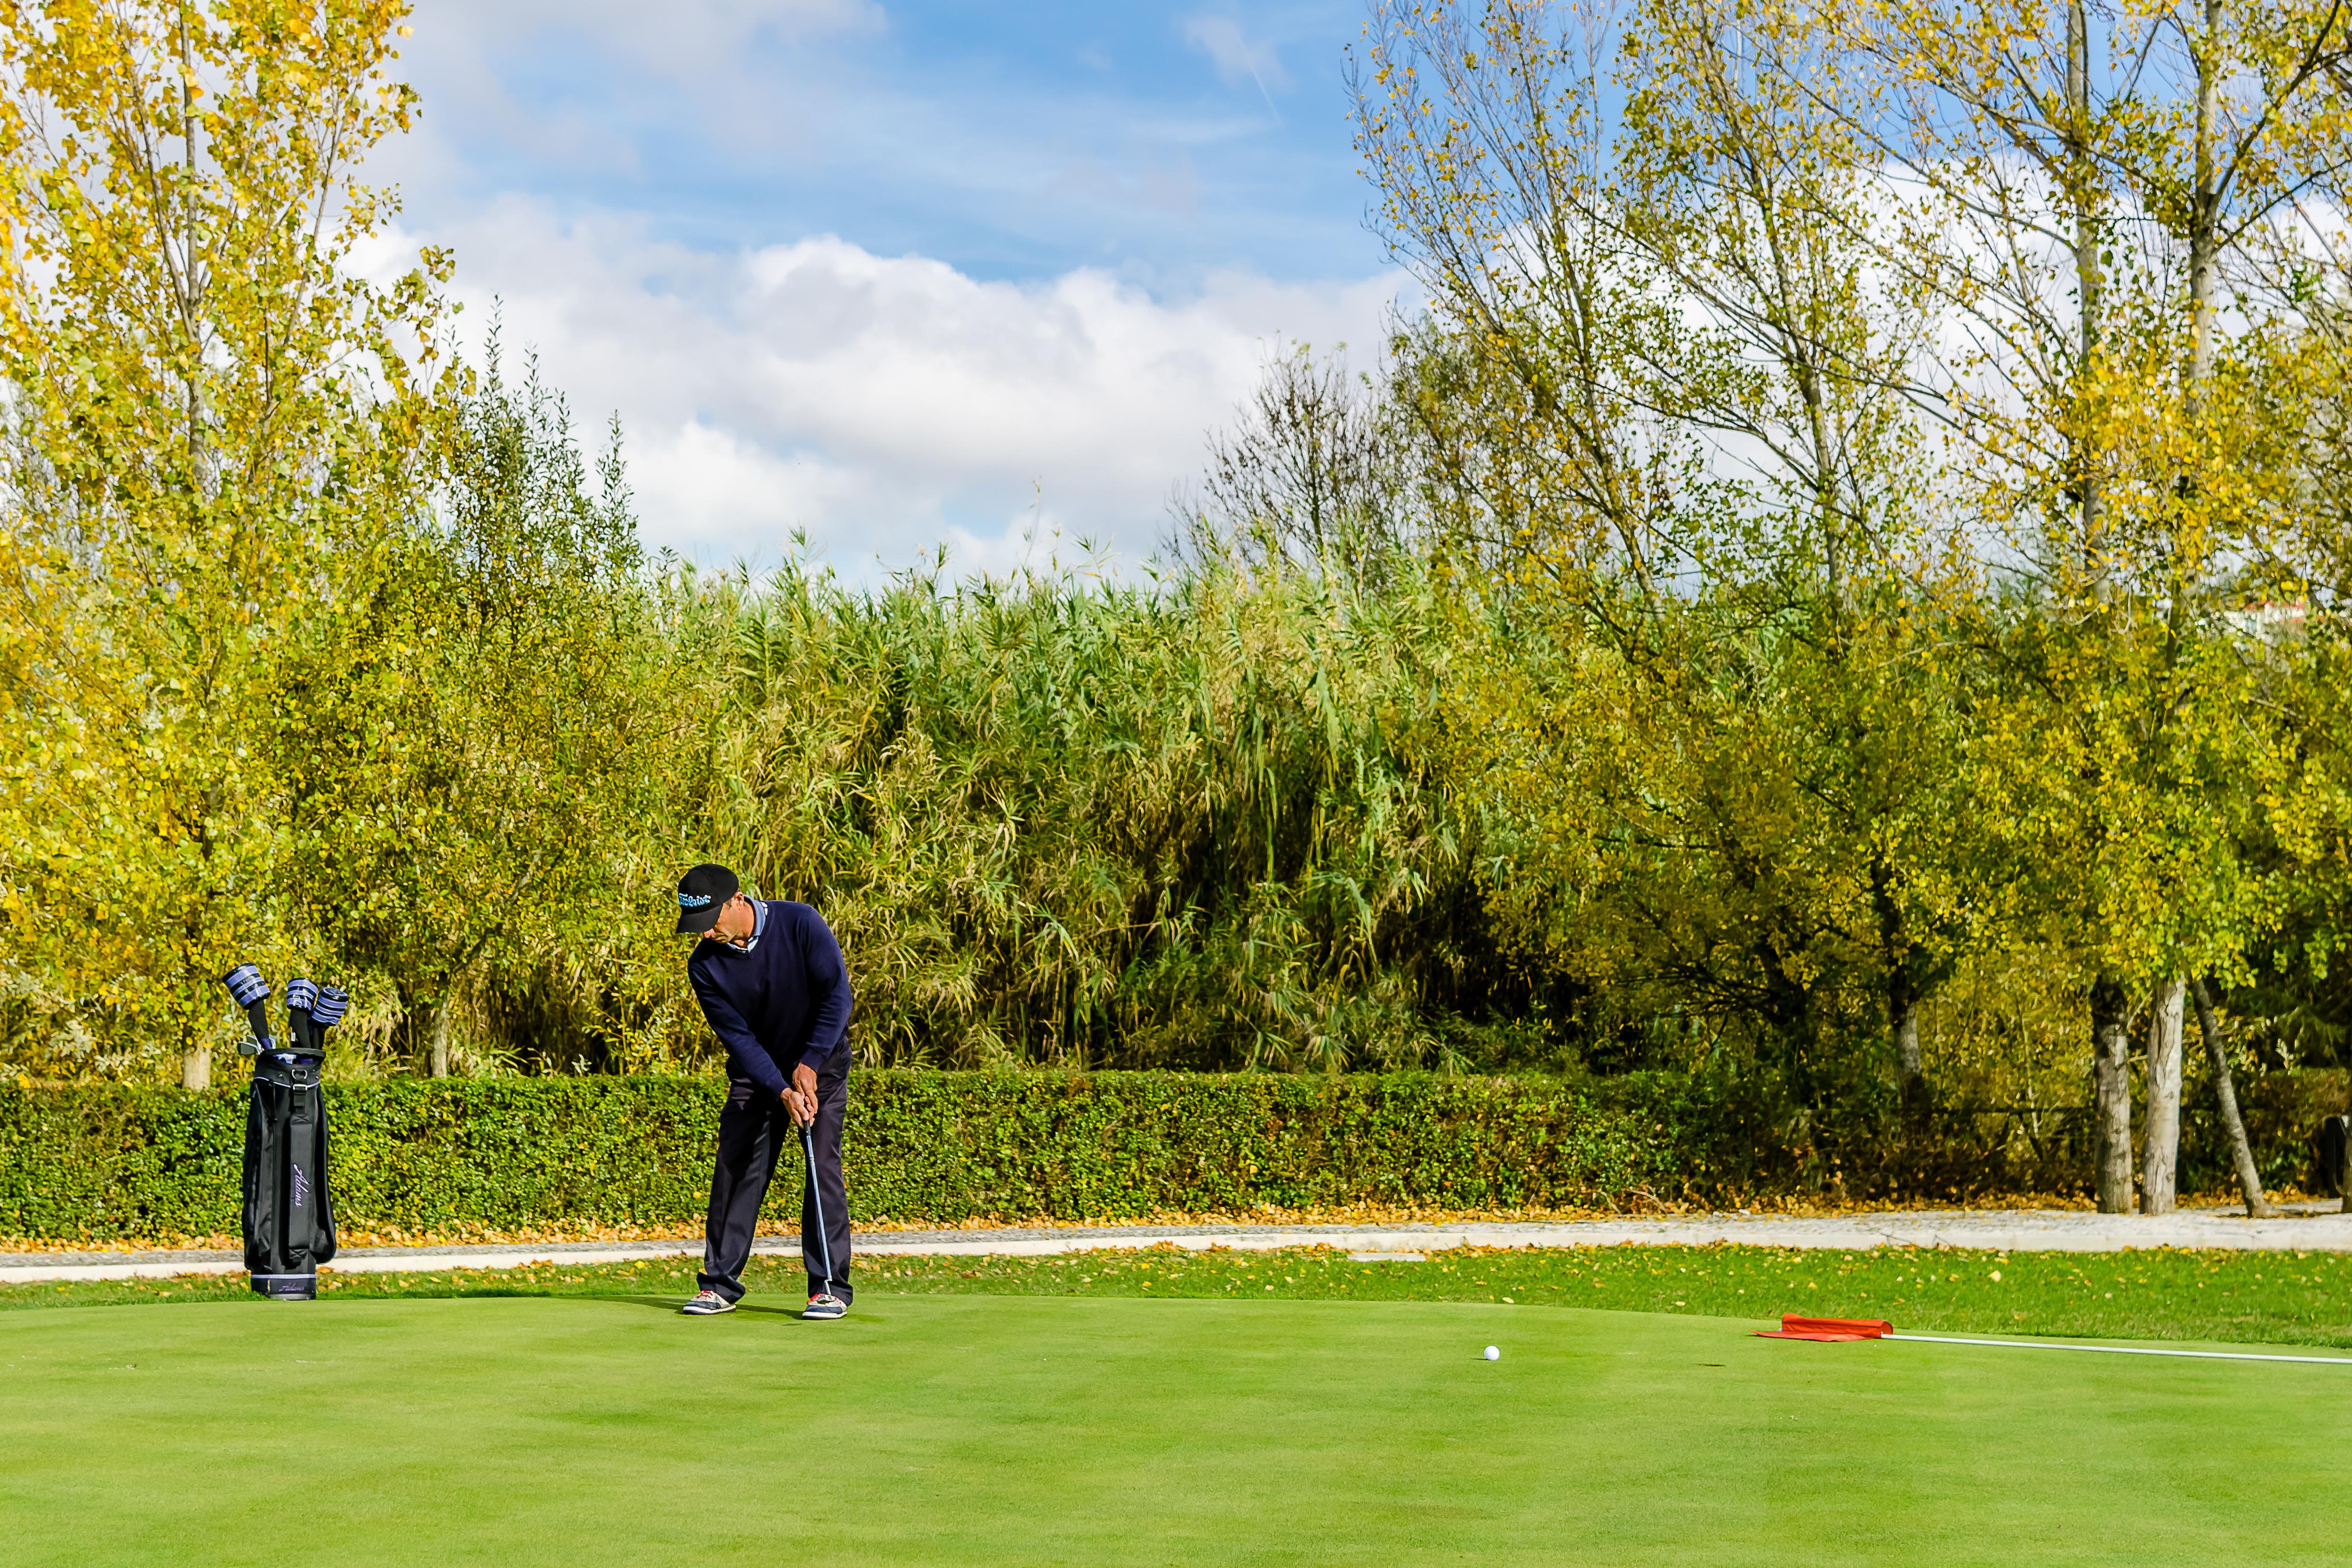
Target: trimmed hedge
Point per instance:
(511, 1153)
(107, 1162)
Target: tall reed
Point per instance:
(1189, 821)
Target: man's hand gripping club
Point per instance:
(799, 1095)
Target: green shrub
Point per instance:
(107, 1162)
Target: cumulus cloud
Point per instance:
(885, 405)
(608, 171)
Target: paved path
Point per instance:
(2311, 1228)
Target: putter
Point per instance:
(817, 1201)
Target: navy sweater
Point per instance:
(786, 1002)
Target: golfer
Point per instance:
(773, 984)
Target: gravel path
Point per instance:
(2310, 1228)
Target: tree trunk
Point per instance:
(2204, 207)
(2241, 1154)
(2090, 289)
(2110, 1097)
(1911, 1067)
(196, 1067)
(2160, 1156)
(439, 1061)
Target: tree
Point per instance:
(1315, 473)
(212, 428)
(1487, 138)
(1694, 471)
(493, 775)
(2073, 202)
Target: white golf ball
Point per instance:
(1493, 1353)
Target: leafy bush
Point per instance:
(508, 1154)
(108, 1163)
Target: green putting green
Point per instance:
(951, 1430)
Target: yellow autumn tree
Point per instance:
(1665, 385)
(211, 426)
(2091, 196)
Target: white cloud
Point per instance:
(1034, 541)
(724, 497)
(884, 404)
(683, 38)
(739, 69)
(1235, 56)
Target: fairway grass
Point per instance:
(934, 1428)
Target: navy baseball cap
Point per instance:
(702, 893)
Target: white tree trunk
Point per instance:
(197, 1068)
(2111, 1098)
(1911, 1064)
(2241, 1154)
(438, 1062)
(2161, 1155)
(2090, 289)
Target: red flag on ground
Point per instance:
(1830, 1330)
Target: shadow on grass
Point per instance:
(672, 1304)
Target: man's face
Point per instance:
(735, 921)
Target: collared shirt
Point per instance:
(758, 927)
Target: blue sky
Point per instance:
(898, 274)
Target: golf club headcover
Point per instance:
(300, 995)
(251, 992)
(328, 1010)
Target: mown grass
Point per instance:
(2282, 1298)
(581, 1430)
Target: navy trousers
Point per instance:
(754, 1129)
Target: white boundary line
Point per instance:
(2121, 1349)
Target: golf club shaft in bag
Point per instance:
(289, 1219)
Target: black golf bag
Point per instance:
(289, 1214)
(290, 1211)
